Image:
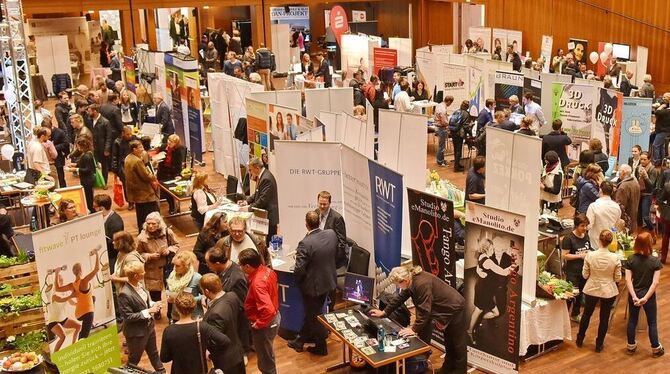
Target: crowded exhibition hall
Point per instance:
(381, 186)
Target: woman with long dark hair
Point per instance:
(215, 229)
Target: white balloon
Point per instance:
(593, 57)
(604, 56)
(7, 151)
(608, 48)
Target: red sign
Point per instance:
(338, 22)
(384, 58)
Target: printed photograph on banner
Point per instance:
(635, 126)
(607, 126)
(499, 41)
(506, 85)
(579, 49)
(574, 105)
(76, 290)
(493, 286)
(286, 124)
(173, 81)
(545, 51)
(297, 18)
(481, 37)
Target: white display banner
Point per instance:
(515, 39)
(389, 139)
(329, 120)
(513, 166)
(642, 57)
(281, 45)
(317, 100)
(300, 179)
(481, 35)
(354, 52)
(404, 48)
(341, 100)
(545, 51)
(499, 40)
(547, 94)
(455, 82)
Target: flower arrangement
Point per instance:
(29, 342)
(558, 288)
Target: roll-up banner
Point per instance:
(545, 51)
(574, 105)
(71, 256)
(635, 126)
(455, 82)
(607, 124)
(493, 277)
(506, 85)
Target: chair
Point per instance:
(231, 185)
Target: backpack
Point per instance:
(458, 123)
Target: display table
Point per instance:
(424, 107)
(187, 227)
(375, 358)
(290, 297)
(548, 320)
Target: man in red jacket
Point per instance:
(261, 307)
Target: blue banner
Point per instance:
(635, 126)
(387, 202)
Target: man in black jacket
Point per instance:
(61, 142)
(62, 114)
(163, 116)
(513, 57)
(324, 70)
(113, 224)
(111, 111)
(121, 149)
(265, 196)
(265, 65)
(102, 138)
(330, 219)
(556, 141)
(316, 276)
(222, 312)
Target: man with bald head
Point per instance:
(315, 273)
(163, 116)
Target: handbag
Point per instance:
(119, 199)
(99, 181)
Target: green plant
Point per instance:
(5, 289)
(20, 259)
(29, 342)
(11, 306)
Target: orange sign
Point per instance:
(338, 22)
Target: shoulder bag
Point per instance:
(99, 181)
(203, 354)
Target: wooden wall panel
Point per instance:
(617, 21)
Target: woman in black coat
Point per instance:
(215, 229)
(86, 169)
(171, 167)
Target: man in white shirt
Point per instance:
(603, 214)
(534, 111)
(441, 123)
(402, 101)
(183, 48)
(36, 154)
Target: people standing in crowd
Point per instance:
(514, 105)
(110, 110)
(183, 279)
(113, 224)
(501, 122)
(557, 61)
(239, 239)
(513, 57)
(265, 196)
(599, 157)
(126, 248)
(324, 70)
(139, 182)
(121, 150)
(534, 111)
(634, 159)
(115, 66)
(61, 144)
(100, 96)
(62, 113)
(551, 182)
(85, 168)
(459, 129)
(647, 176)
(603, 214)
(602, 270)
(524, 127)
(163, 116)
(662, 129)
(210, 58)
(437, 304)
(102, 139)
(223, 312)
(186, 342)
(486, 114)
(647, 90)
(306, 65)
(261, 307)
(628, 195)
(157, 244)
(137, 311)
(575, 246)
(626, 86)
(130, 109)
(557, 140)
(265, 65)
(441, 127)
(171, 166)
(402, 101)
(475, 181)
(397, 78)
(36, 155)
(588, 187)
(316, 276)
(215, 229)
(643, 274)
(231, 63)
(202, 199)
(235, 44)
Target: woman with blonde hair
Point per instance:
(436, 302)
(157, 244)
(203, 198)
(184, 278)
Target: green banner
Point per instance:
(92, 355)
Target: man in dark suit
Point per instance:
(582, 73)
(222, 312)
(113, 224)
(316, 276)
(324, 70)
(331, 219)
(557, 141)
(265, 196)
(111, 111)
(486, 114)
(163, 116)
(60, 140)
(137, 312)
(102, 138)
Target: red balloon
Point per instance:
(338, 22)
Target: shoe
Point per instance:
(599, 348)
(579, 341)
(318, 350)
(131, 206)
(631, 348)
(657, 352)
(576, 318)
(458, 170)
(296, 345)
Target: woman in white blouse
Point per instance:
(202, 199)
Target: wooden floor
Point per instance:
(567, 359)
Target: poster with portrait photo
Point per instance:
(607, 124)
(283, 123)
(493, 287)
(579, 49)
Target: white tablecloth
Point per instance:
(548, 320)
